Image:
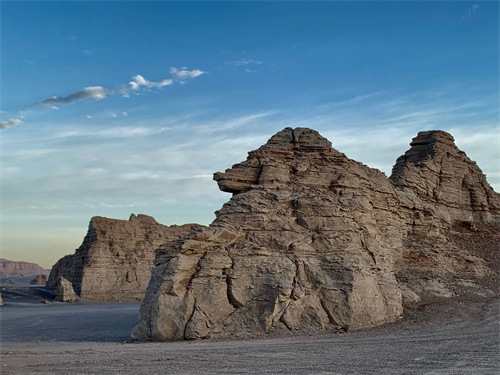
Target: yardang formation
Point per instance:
(115, 259)
(312, 240)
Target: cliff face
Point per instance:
(10, 268)
(312, 240)
(116, 256)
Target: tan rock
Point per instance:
(116, 257)
(10, 268)
(65, 291)
(39, 279)
(1, 300)
(312, 240)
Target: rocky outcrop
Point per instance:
(10, 268)
(116, 257)
(65, 291)
(451, 215)
(312, 240)
(1, 300)
(437, 172)
(39, 279)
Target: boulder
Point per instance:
(65, 291)
(116, 257)
(39, 279)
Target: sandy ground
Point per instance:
(457, 336)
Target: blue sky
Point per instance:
(110, 108)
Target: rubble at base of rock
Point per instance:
(312, 240)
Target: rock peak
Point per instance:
(276, 162)
(423, 147)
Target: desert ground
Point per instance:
(452, 336)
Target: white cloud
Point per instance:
(183, 73)
(30, 62)
(244, 61)
(114, 115)
(91, 92)
(142, 175)
(250, 71)
(88, 116)
(125, 114)
(471, 11)
(87, 52)
(138, 81)
(8, 124)
(22, 114)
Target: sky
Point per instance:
(113, 108)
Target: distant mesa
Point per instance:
(10, 268)
(314, 241)
(115, 259)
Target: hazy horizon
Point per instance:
(110, 108)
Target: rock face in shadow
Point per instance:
(312, 240)
(10, 268)
(116, 257)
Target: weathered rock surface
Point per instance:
(65, 291)
(10, 268)
(1, 300)
(39, 279)
(116, 257)
(312, 240)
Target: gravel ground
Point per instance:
(451, 337)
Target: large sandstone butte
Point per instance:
(11, 268)
(115, 259)
(312, 240)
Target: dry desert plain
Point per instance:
(449, 336)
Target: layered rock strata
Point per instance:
(312, 240)
(10, 268)
(116, 257)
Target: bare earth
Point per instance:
(455, 336)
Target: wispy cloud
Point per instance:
(471, 11)
(92, 92)
(139, 81)
(244, 61)
(87, 52)
(184, 73)
(8, 124)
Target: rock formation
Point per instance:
(39, 279)
(116, 257)
(65, 291)
(1, 300)
(312, 240)
(10, 268)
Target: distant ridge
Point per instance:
(11, 268)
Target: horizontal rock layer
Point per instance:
(11, 268)
(312, 240)
(116, 257)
